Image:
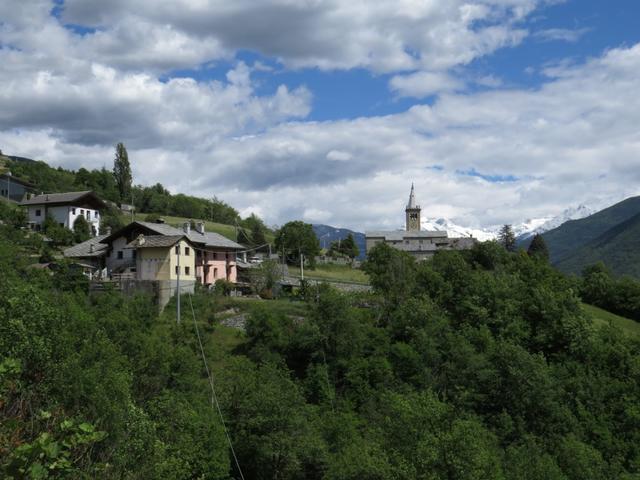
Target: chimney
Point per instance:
(92, 248)
(141, 240)
(186, 226)
(107, 230)
(200, 228)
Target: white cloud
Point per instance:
(561, 34)
(384, 36)
(339, 156)
(424, 84)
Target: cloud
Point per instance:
(424, 84)
(384, 36)
(561, 34)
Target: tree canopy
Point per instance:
(297, 238)
(122, 173)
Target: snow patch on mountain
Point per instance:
(522, 230)
(455, 230)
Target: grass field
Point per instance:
(602, 317)
(339, 273)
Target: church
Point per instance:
(422, 244)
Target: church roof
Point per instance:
(399, 235)
(412, 199)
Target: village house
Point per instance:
(65, 208)
(419, 243)
(14, 188)
(213, 256)
(91, 253)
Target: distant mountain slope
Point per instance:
(327, 234)
(565, 240)
(618, 248)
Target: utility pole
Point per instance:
(301, 266)
(8, 185)
(178, 286)
(283, 260)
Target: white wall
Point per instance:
(65, 215)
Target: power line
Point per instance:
(214, 397)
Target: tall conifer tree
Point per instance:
(122, 173)
(507, 238)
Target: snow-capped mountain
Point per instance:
(523, 230)
(455, 230)
(572, 213)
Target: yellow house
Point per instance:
(164, 257)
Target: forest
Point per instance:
(150, 199)
(476, 365)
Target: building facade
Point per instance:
(421, 244)
(210, 256)
(14, 188)
(64, 209)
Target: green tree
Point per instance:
(81, 229)
(122, 173)
(507, 238)
(538, 248)
(391, 272)
(59, 234)
(346, 246)
(297, 238)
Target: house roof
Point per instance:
(208, 239)
(84, 249)
(155, 241)
(16, 180)
(87, 196)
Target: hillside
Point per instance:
(571, 236)
(603, 317)
(155, 199)
(618, 248)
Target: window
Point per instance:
(177, 270)
(187, 270)
(38, 212)
(81, 211)
(177, 249)
(215, 273)
(88, 214)
(134, 254)
(73, 211)
(187, 251)
(120, 255)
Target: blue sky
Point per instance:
(347, 94)
(498, 110)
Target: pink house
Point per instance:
(215, 263)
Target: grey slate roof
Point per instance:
(61, 198)
(155, 241)
(209, 239)
(399, 235)
(84, 249)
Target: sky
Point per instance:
(327, 110)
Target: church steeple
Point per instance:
(412, 212)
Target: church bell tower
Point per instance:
(412, 213)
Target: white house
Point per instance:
(64, 208)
